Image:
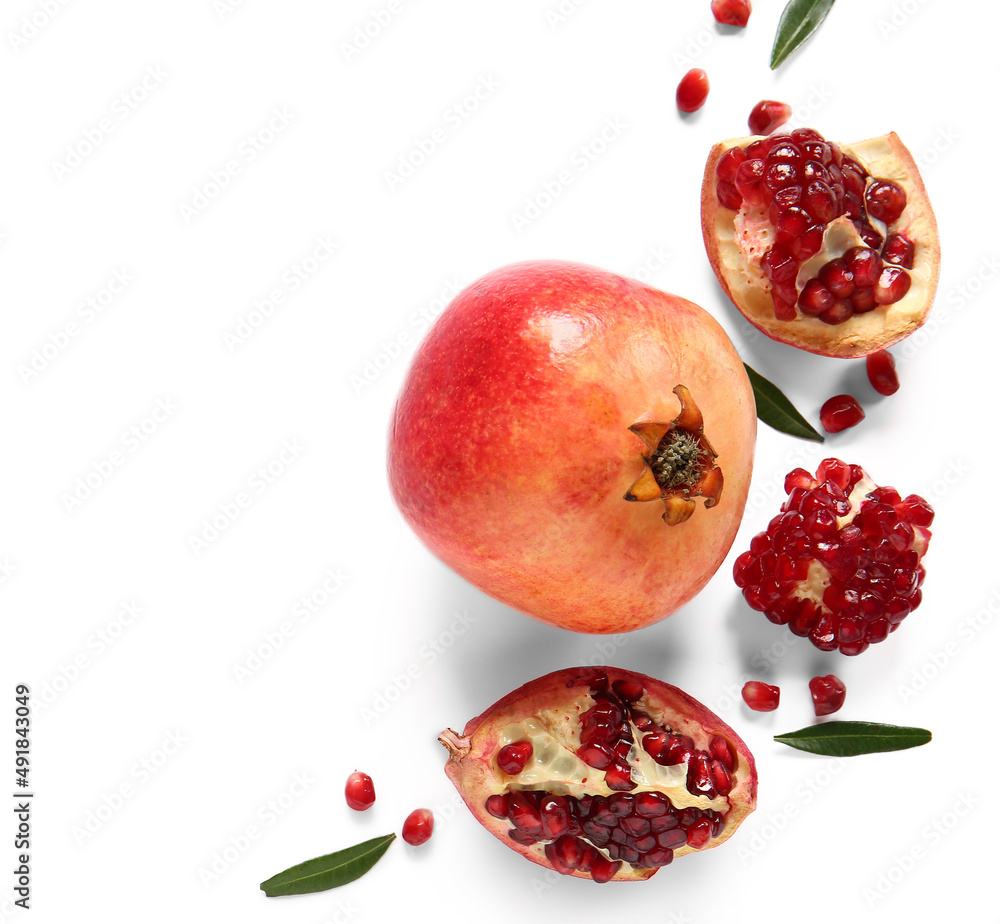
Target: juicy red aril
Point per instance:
(728, 195)
(893, 283)
(898, 250)
(837, 277)
(885, 200)
(418, 827)
(815, 298)
(512, 758)
(828, 694)
(692, 91)
(729, 163)
(881, 368)
(862, 576)
(748, 180)
(359, 791)
(732, 13)
(761, 697)
(839, 413)
(865, 266)
(768, 115)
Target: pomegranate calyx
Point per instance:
(457, 745)
(680, 464)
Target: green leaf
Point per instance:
(800, 19)
(845, 739)
(774, 409)
(335, 869)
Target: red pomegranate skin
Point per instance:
(510, 452)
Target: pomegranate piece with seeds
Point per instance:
(692, 91)
(851, 221)
(627, 773)
(768, 115)
(760, 696)
(841, 562)
(881, 368)
(732, 12)
(359, 791)
(840, 413)
(418, 827)
(828, 694)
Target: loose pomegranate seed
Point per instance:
(359, 791)
(418, 827)
(761, 697)
(768, 115)
(839, 413)
(898, 250)
(512, 758)
(885, 200)
(732, 13)
(862, 572)
(692, 91)
(827, 694)
(881, 369)
(893, 283)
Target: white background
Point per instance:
(173, 771)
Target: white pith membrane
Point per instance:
(736, 241)
(554, 767)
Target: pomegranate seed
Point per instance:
(732, 13)
(839, 413)
(728, 195)
(554, 811)
(854, 177)
(628, 690)
(768, 115)
(837, 277)
(892, 285)
(840, 312)
(885, 200)
(882, 372)
(820, 202)
(418, 827)
(864, 264)
(692, 91)
(497, 805)
(761, 697)
(359, 791)
(604, 870)
(868, 234)
(523, 814)
(749, 177)
(827, 694)
(898, 250)
(862, 300)
(729, 163)
(700, 833)
(722, 751)
(511, 758)
(815, 298)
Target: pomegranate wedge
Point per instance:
(615, 773)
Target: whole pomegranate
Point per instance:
(841, 562)
(576, 444)
(602, 773)
(829, 247)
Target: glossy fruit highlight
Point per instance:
(626, 773)
(576, 444)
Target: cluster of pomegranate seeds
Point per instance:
(642, 828)
(828, 694)
(840, 413)
(881, 368)
(768, 115)
(806, 182)
(760, 696)
(836, 565)
(692, 91)
(732, 12)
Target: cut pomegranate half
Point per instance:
(840, 563)
(828, 247)
(625, 773)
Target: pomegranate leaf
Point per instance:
(845, 739)
(330, 871)
(774, 409)
(800, 19)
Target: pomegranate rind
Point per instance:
(471, 760)
(743, 281)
